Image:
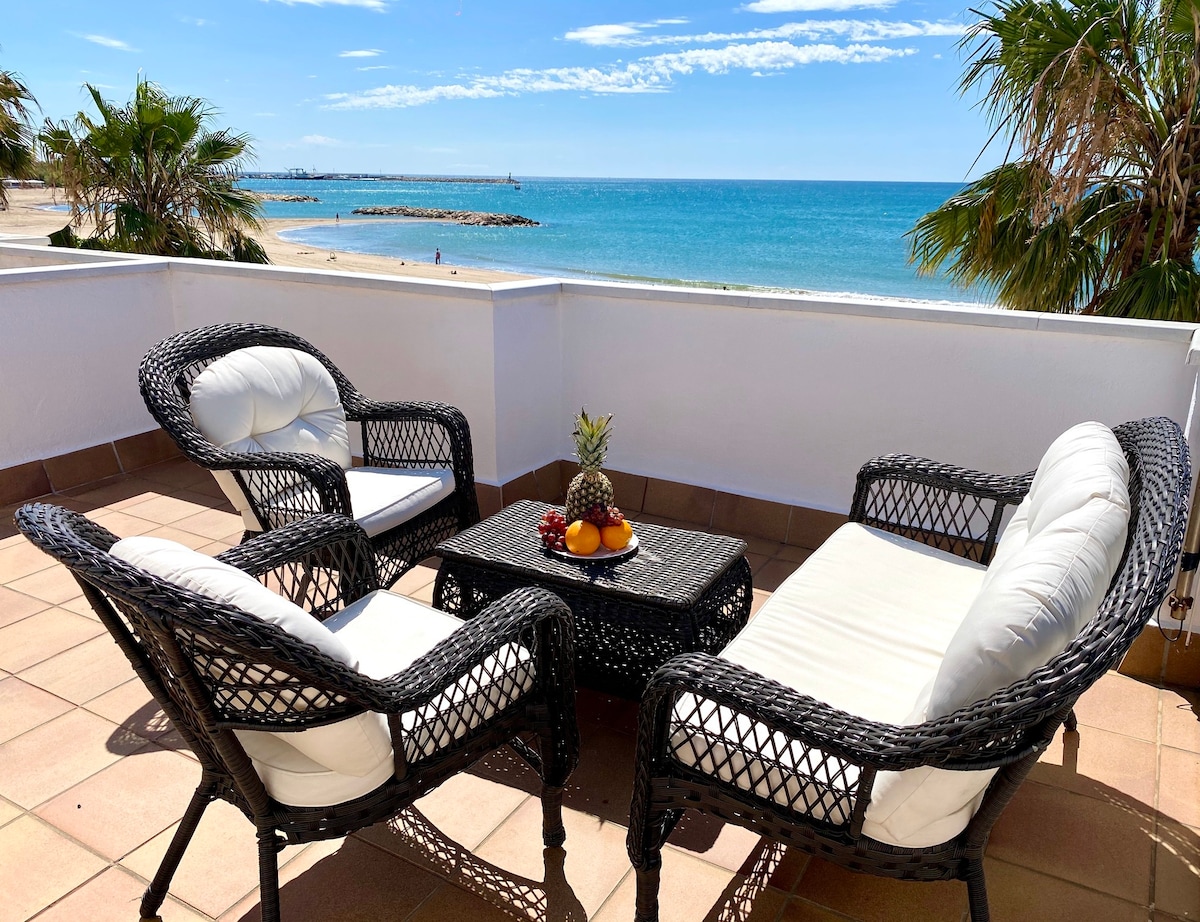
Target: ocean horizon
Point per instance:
(836, 237)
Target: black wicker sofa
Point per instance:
(886, 703)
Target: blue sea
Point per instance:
(845, 237)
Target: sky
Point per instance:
(762, 89)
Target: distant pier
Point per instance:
(382, 177)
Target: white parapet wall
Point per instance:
(772, 396)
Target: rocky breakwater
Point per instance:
(476, 218)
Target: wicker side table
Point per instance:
(683, 591)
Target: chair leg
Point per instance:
(153, 898)
(647, 893)
(1072, 723)
(554, 834)
(269, 846)
(977, 893)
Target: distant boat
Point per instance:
(516, 187)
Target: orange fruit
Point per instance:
(582, 537)
(615, 537)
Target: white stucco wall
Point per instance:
(776, 397)
(71, 339)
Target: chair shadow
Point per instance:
(413, 838)
(148, 724)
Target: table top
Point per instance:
(672, 568)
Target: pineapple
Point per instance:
(590, 487)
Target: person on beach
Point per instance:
(437, 257)
(337, 217)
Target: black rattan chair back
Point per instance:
(282, 487)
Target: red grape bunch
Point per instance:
(553, 529)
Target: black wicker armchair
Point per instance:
(800, 771)
(272, 485)
(235, 685)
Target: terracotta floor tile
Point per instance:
(16, 605)
(114, 896)
(877, 899)
(1101, 846)
(1020, 893)
(166, 510)
(690, 890)
(83, 672)
(417, 578)
(772, 575)
(24, 706)
(122, 524)
(1179, 786)
(21, 559)
(8, 811)
(220, 866)
(357, 883)
(1108, 766)
(40, 866)
(465, 809)
(760, 597)
(1181, 719)
(54, 585)
(178, 473)
(41, 636)
(187, 539)
(213, 524)
(450, 904)
(126, 804)
(723, 844)
(1121, 705)
(117, 492)
(756, 561)
(796, 555)
(131, 706)
(59, 754)
(798, 910)
(594, 862)
(1177, 870)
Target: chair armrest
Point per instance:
(942, 505)
(275, 473)
(415, 434)
(321, 563)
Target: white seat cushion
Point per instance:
(383, 497)
(1050, 572)
(269, 398)
(388, 632)
(863, 626)
(380, 635)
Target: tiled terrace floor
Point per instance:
(92, 782)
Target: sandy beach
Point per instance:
(26, 214)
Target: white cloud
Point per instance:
(320, 140)
(811, 6)
(377, 5)
(107, 42)
(376, 67)
(653, 74)
(193, 21)
(362, 53)
(858, 30)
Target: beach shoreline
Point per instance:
(27, 214)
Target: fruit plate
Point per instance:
(603, 555)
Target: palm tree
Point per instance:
(154, 178)
(16, 129)
(1097, 207)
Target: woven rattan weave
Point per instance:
(400, 435)
(683, 591)
(951, 508)
(214, 668)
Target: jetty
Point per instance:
(475, 218)
(383, 177)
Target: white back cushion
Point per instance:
(268, 398)
(1050, 572)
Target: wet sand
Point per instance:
(25, 215)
